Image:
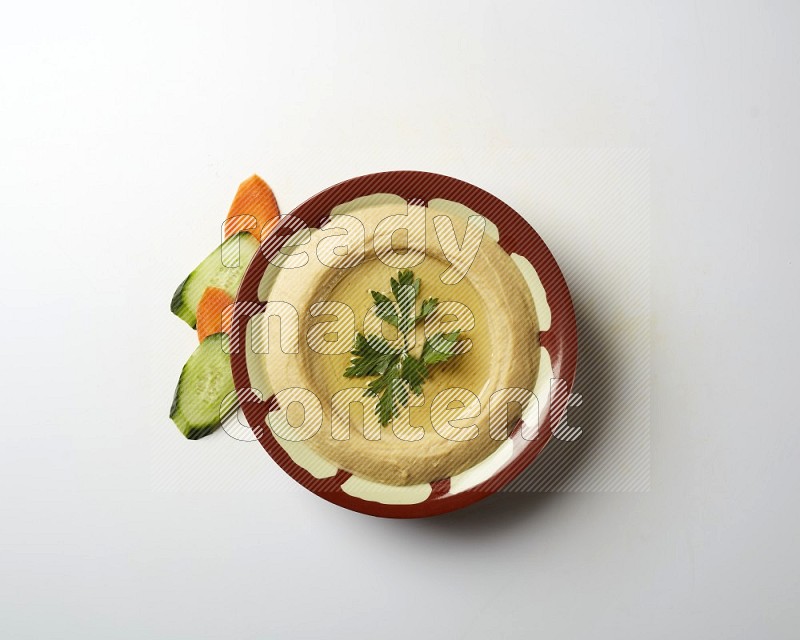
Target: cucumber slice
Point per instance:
(203, 396)
(213, 272)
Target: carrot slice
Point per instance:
(214, 313)
(253, 208)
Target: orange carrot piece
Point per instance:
(254, 198)
(214, 313)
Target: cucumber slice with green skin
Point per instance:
(203, 397)
(213, 272)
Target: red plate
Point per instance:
(516, 237)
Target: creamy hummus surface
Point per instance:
(341, 267)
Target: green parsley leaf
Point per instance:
(373, 356)
(405, 290)
(386, 388)
(428, 307)
(440, 347)
(385, 309)
(396, 372)
(414, 372)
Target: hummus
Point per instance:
(338, 265)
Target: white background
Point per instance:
(124, 130)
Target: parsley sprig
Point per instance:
(397, 373)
